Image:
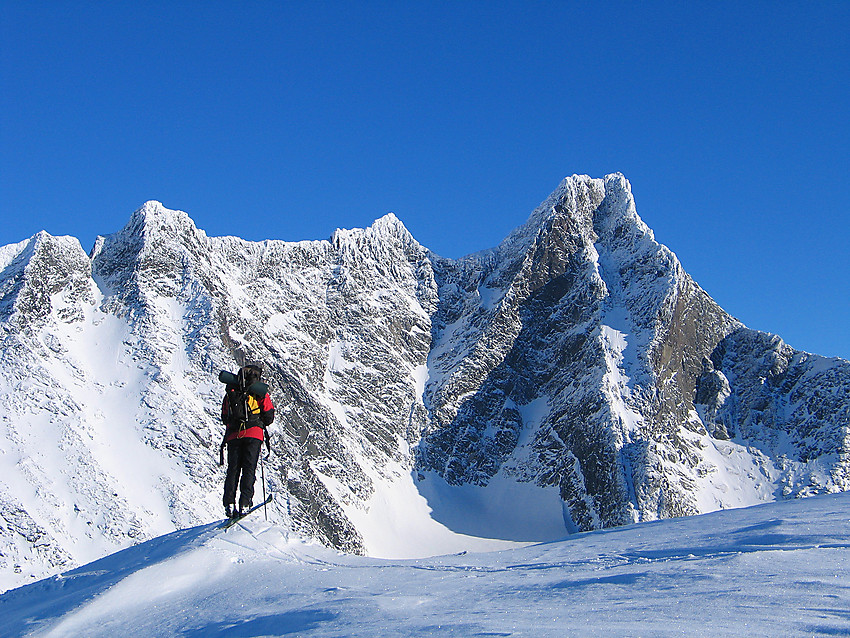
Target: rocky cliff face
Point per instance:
(582, 310)
(574, 377)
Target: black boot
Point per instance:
(230, 510)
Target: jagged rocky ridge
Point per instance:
(576, 361)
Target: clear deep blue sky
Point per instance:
(287, 120)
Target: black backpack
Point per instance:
(245, 391)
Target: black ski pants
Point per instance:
(242, 457)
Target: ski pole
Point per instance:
(263, 474)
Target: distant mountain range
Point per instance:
(572, 378)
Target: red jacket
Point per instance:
(261, 414)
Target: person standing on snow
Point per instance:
(246, 416)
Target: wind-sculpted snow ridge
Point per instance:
(775, 570)
(572, 378)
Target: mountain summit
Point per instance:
(572, 378)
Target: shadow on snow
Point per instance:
(22, 610)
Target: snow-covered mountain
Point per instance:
(572, 378)
(779, 569)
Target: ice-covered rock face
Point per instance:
(571, 378)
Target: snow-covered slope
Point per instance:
(572, 378)
(773, 570)
(577, 357)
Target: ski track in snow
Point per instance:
(776, 569)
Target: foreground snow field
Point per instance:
(770, 570)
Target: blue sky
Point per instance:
(287, 120)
